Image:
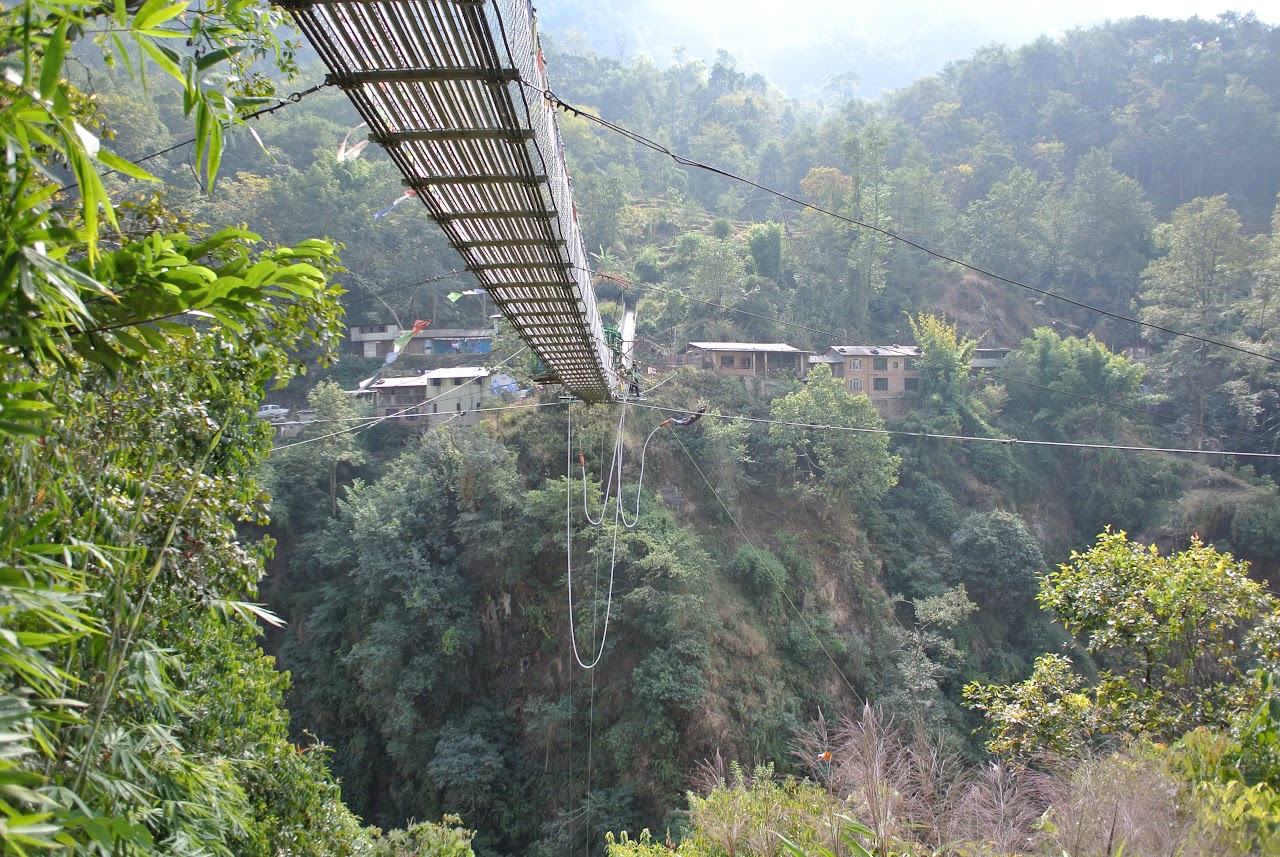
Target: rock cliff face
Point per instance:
(1000, 313)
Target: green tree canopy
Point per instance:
(945, 356)
(841, 466)
(1063, 374)
(1183, 640)
(997, 558)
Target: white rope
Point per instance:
(615, 471)
(631, 525)
(568, 539)
(614, 464)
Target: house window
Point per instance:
(911, 385)
(880, 384)
(910, 364)
(895, 364)
(746, 361)
(435, 382)
(435, 409)
(855, 384)
(726, 361)
(880, 364)
(458, 382)
(477, 381)
(459, 408)
(855, 363)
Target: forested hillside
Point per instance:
(777, 574)
(947, 619)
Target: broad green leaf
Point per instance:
(215, 152)
(26, 202)
(156, 12)
(214, 57)
(113, 161)
(54, 53)
(164, 57)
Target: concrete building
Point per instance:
(747, 359)
(377, 340)
(988, 358)
(886, 374)
(434, 397)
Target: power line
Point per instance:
(987, 373)
(373, 421)
(293, 98)
(392, 291)
(1008, 441)
(483, 409)
(639, 139)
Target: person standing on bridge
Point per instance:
(634, 390)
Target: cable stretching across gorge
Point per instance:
(294, 98)
(1010, 441)
(986, 372)
(689, 162)
(395, 289)
(373, 421)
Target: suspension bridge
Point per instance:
(451, 89)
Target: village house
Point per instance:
(434, 397)
(747, 359)
(378, 340)
(886, 374)
(988, 358)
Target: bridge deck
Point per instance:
(439, 83)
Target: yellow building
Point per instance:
(886, 374)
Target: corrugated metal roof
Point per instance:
(745, 346)
(876, 350)
(435, 374)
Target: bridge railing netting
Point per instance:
(452, 90)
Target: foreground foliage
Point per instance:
(883, 789)
(140, 716)
(1184, 641)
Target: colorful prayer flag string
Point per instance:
(394, 354)
(409, 194)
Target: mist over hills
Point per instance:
(803, 48)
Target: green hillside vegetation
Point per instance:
(828, 631)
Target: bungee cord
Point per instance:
(615, 464)
(613, 489)
(568, 544)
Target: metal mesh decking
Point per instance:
(439, 83)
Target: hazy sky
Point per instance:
(888, 44)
